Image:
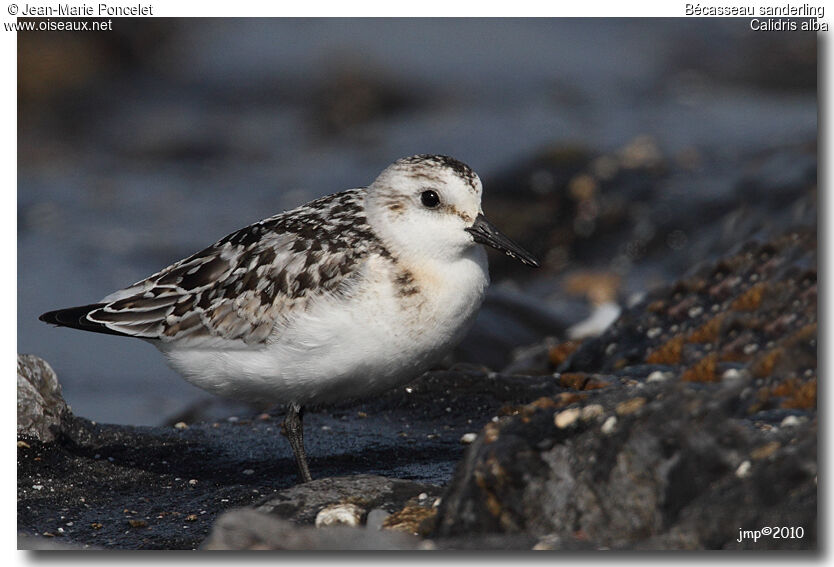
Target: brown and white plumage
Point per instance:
(240, 287)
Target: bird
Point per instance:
(346, 296)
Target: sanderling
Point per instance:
(348, 295)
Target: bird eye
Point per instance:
(430, 199)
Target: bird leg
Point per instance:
(293, 429)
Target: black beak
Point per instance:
(485, 233)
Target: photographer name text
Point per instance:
(88, 10)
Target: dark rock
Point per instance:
(668, 474)
(253, 530)
(691, 418)
(753, 312)
(40, 404)
(301, 503)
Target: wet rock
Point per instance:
(253, 530)
(651, 447)
(329, 501)
(750, 317)
(666, 477)
(40, 405)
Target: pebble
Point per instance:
(566, 418)
(468, 438)
(653, 332)
(743, 470)
(609, 425)
(340, 515)
(180, 425)
(592, 411)
(764, 451)
(658, 376)
(790, 421)
(630, 406)
(248, 471)
(192, 482)
(731, 374)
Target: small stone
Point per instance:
(138, 523)
(96, 525)
(592, 411)
(653, 332)
(566, 418)
(468, 438)
(743, 470)
(192, 482)
(658, 376)
(436, 503)
(233, 419)
(765, 450)
(609, 425)
(790, 421)
(695, 311)
(263, 417)
(361, 414)
(422, 496)
(340, 515)
(191, 518)
(22, 445)
(180, 425)
(751, 348)
(37, 486)
(630, 406)
(247, 472)
(731, 374)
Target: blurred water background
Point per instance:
(140, 146)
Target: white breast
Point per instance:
(350, 347)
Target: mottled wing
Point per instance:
(240, 288)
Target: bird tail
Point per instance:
(76, 318)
